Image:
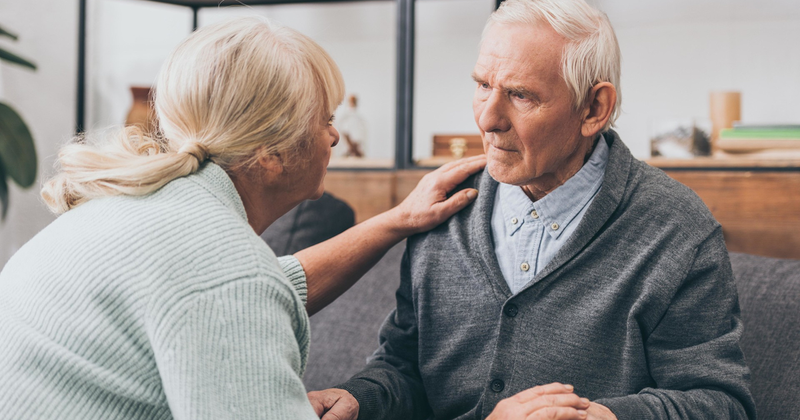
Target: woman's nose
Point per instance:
(335, 133)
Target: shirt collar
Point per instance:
(557, 209)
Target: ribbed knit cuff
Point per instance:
(369, 404)
(296, 275)
(629, 407)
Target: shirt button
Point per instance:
(498, 385)
(534, 214)
(511, 310)
(514, 221)
(554, 226)
(524, 267)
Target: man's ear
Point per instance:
(599, 107)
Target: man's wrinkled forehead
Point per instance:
(517, 51)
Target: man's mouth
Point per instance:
(503, 149)
(493, 140)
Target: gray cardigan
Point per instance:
(638, 311)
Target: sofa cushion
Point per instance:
(311, 222)
(345, 333)
(769, 295)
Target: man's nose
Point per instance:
(493, 114)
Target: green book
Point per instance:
(760, 133)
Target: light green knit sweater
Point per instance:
(156, 307)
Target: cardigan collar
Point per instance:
(605, 203)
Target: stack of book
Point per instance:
(760, 140)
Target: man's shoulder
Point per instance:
(659, 195)
(463, 224)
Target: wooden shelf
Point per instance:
(725, 163)
(360, 163)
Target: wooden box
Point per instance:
(457, 145)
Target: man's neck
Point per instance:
(548, 183)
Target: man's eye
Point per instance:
(518, 95)
(484, 86)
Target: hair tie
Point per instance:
(195, 149)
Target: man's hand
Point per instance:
(546, 402)
(599, 412)
(334, 404)
(428, 205)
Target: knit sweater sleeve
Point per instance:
(296, 275)
(694, 354)
(232, 352)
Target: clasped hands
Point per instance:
(546, 402)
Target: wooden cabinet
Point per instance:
(368, 192)
(756, 202)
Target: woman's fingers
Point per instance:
(428, 205)
(456, 172)
(463, 161)
(457, 202)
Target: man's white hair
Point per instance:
(591, 54)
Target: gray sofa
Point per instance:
(344, 334)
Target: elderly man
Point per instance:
(578, 264)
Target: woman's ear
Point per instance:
(599, 107)
(272, 163)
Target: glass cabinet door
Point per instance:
(127, 43)
(447, 35)
(361, 38)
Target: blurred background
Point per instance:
(675, 53)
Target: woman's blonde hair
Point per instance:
(229, 93)
(592, 54)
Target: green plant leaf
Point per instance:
(17, 151)
(8, 56)
(3, 193)
(4, 32)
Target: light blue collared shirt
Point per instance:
(527, 234)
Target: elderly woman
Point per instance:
(152, 296)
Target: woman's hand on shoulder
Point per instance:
(428, 204)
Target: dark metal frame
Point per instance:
(403, 157)
(81, 88)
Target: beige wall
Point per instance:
(45, 98)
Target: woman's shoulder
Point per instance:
(193, 229)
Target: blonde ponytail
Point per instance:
(229, 93)
(131, 164)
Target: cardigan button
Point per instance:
(498, 385)
(511, 310)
